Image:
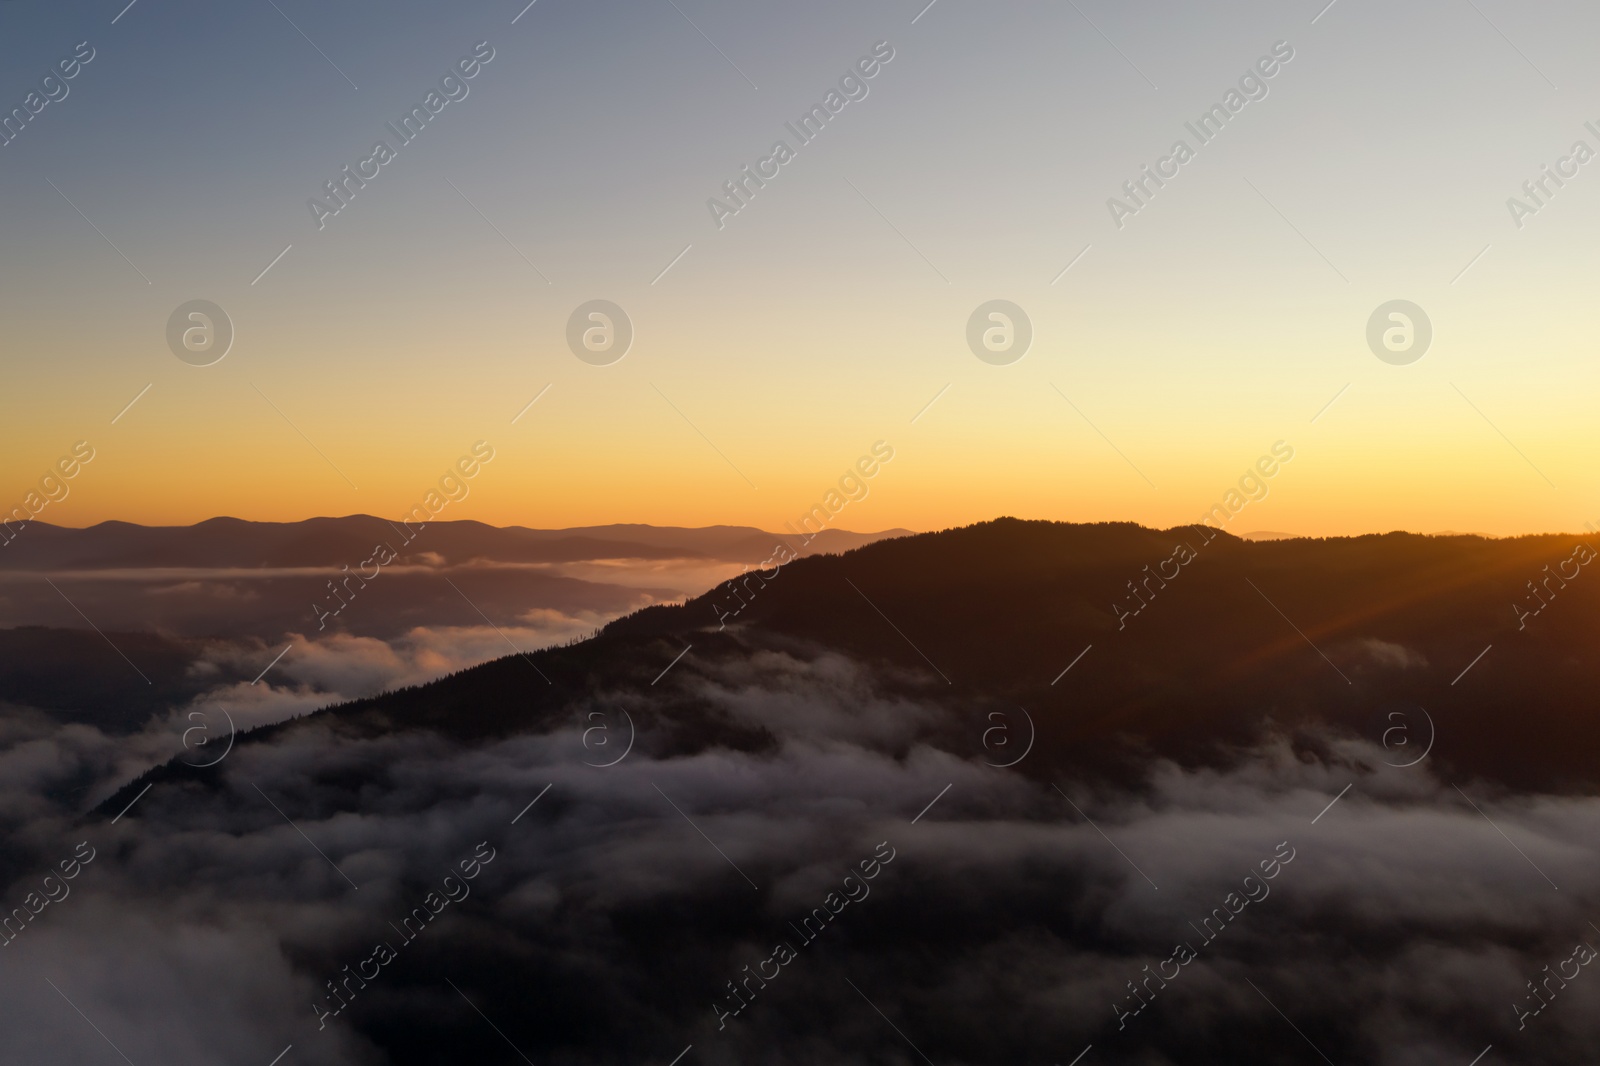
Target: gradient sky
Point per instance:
(825, 316)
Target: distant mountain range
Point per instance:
(235, 543)
(226, 578)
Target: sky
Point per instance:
(1171, 348)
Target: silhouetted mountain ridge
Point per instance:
(1300, 636)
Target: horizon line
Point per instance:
(1254, 536)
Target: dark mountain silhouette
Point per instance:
(1290, 634)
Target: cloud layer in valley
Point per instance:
(619, 907)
